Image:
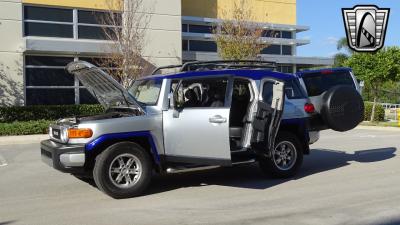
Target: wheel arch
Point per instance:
(142, 138)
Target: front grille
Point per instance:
(46, 153)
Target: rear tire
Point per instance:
(123, 170)
(286, 158)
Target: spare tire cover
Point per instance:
(342, 108)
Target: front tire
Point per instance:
(286, 158)
(123, 170)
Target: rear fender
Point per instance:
(299, 127)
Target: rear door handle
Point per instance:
(217, 119)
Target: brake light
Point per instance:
(326, 72)
(309, 108)
(80, 133)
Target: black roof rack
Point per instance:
(220, 64)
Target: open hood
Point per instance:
(102, 86)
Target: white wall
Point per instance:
(11, 53)
(164, 34)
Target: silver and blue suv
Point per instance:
(219, 113)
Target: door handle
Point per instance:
(217, 119)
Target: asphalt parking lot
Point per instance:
(349, 178)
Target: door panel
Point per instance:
(197, 133)
(269, 114)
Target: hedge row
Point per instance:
(379, 112)
(53, 112)
(24, 128)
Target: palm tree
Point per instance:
(341, 57)
(343, 44)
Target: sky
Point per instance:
(324, 17)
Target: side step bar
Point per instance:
(184, 169)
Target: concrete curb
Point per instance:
(378, 128)
(23, 139)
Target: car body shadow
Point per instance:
(250, 176)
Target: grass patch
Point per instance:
(381, 124)
(25, 127)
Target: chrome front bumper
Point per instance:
(63, 157)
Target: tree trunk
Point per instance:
(373, 110)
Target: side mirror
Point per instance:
(171, 100)
(172, 105)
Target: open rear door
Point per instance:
(268, 115)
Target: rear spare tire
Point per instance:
(342, 108)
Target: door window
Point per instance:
(196, 93)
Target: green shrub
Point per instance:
(379, 112)
(24, 128)
(46, 112)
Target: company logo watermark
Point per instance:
(365, 27)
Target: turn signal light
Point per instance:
(309, 108)
(80, 133)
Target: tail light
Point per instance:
(309, 108)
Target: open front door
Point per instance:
(197, 132)
(268, 115)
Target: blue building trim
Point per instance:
(106, 137)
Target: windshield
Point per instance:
(146, 92)
(318, 83)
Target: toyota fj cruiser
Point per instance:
(220, 113)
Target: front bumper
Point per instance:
(63, 157)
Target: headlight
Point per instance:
(64, 134)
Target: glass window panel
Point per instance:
(203, 46)
(184, 28)
(86, 98)
(272, 49)
(92, 17)
(48, 77)
(59, 96)
(202, 93)
(271, 33)
(89, 32)
(287, 34)
(48, 14)
(185, 45)
(293, 91)
(97, 17)
(286, 50)
(200, 29)
(47, 60)
(48, 30)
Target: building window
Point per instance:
(184, 27)
(56, 22)
(94, 25)
(287, 34)
(185, 46)
(285, 68)
(48, 22)
(200, 29)
(271, 33)
(48, 83)
(202, 46)
(286, 50)
(47, 14)
(272, 50)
